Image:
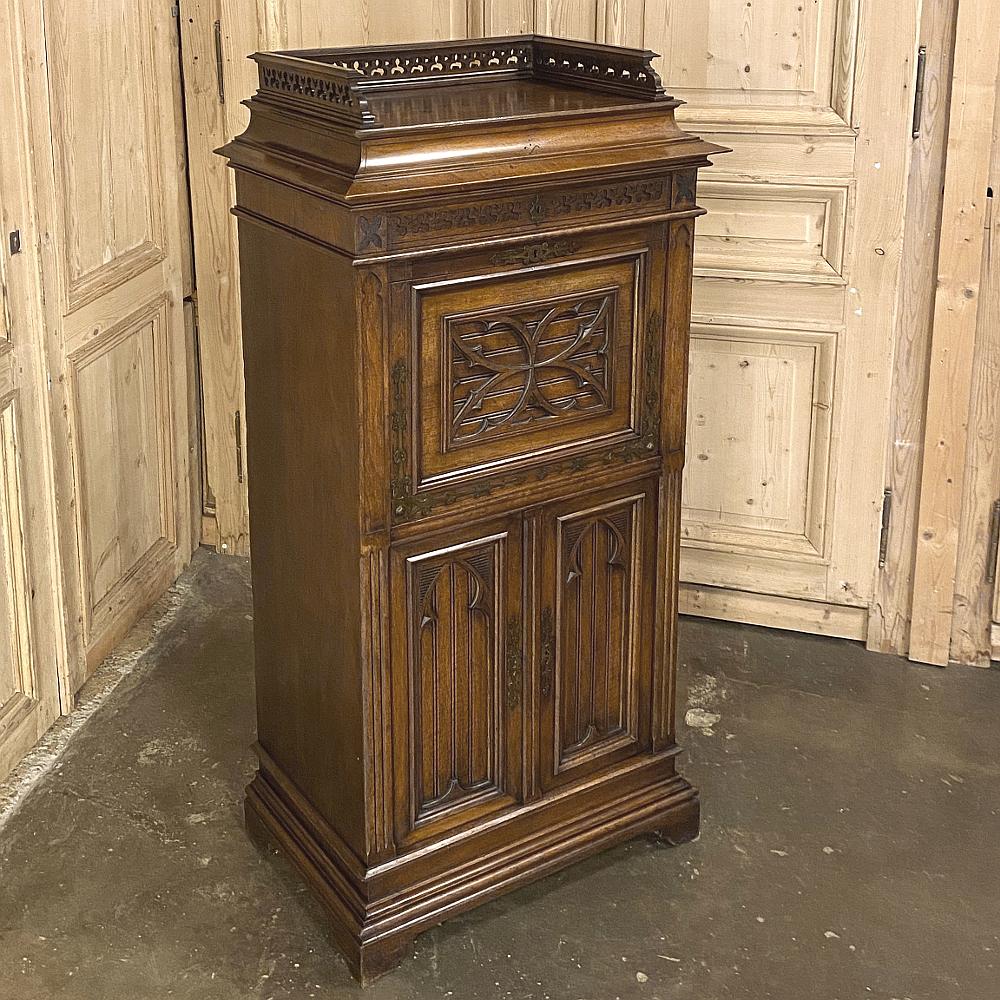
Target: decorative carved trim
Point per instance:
(538, 362)
(321, 87)
(534, 253)
(652, 379)
(338, 78)
(386, 63)
(289, 82)
(536, 209)
(514, 656)
(401, 483)
(685, 185)
(612, 68)
(371, 232)
(547, 644)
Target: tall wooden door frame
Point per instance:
(28, 532)
(115, 320)
(949, 481)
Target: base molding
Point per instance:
(375, 914)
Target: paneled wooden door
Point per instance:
(458, 678)
(102, 101)
(593, 651)
(795, 294)
(32, 654)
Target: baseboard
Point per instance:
(376, 912)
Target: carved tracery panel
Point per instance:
(540, 363)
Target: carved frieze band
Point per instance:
(606, 199)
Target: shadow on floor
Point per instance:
(850, 845)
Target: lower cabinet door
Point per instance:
(596, 631)
(458, 679)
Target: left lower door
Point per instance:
(457, 677)
(31, 651)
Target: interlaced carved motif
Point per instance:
(535, 363)
(406, 505)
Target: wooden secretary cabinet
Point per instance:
(466, 281)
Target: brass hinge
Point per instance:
(918, 90)
(994, 543)
(883, 539)
(219, 63)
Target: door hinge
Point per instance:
(14, 239)
(219, 63)
(918, 90)
(238, 428)
(883, 538)
(994, 543)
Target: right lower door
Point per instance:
(595, 630)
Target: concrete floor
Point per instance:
(850, 845)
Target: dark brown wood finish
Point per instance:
(466, 275)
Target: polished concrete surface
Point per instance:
(850, 844)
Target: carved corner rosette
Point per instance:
(371, 233)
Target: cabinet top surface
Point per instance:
(457, 82)
(493, 101)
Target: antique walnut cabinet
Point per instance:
(466, 274)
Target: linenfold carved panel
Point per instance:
(514, 368)
(454, 678)
(596, 655)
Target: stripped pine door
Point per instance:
(796, 284)
(102, 88)
(31, 655)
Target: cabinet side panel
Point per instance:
(302, 424)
